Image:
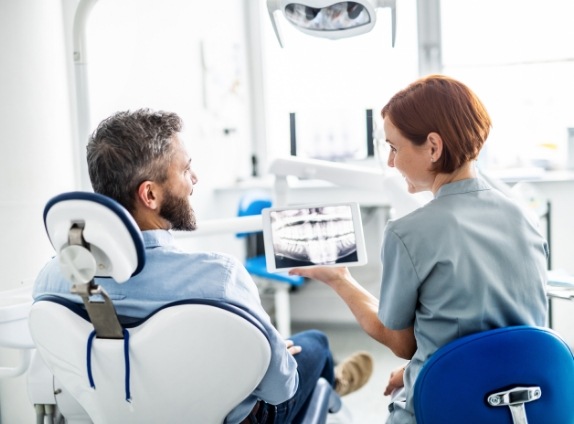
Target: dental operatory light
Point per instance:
(329, 18)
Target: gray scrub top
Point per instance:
(468, 261)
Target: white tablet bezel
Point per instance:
(271, 255)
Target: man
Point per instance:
(138, 159)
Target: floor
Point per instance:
(368, 405)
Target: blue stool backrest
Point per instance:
(252, 203)
(453, 385)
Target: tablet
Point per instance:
(313, 235)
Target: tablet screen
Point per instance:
(313, 235)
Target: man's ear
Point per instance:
(435, 143)
(148, 194)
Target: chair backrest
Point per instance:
(188, 363)
(498, 376)
(192, 361)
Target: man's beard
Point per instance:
(178, 212)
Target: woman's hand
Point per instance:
(396, 380)
(328, 275)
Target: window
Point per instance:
(518, 56)
(328, 78)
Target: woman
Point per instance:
(470, 260)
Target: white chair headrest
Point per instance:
(114, 240)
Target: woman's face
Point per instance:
(412, 161)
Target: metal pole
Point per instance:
(82, 88)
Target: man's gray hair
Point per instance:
(129, 148)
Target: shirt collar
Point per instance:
(157, 238)
(463, 186)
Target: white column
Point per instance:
(36, 153)
(429, 37)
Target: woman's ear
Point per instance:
(435, 144)
(148, 195)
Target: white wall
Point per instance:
(35, 152)
(36, 143)
(183, 56)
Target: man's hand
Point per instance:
(293, 350)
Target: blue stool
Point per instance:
(499, 376)
(252, 203)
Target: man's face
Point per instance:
(178, 211)
(175, 207)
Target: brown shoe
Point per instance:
(353, 373)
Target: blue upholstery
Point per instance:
(252, 203)
(454, 384)
(130, 322)
(257, 266)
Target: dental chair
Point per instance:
(512, 375)
(192, 361)
(279, 284)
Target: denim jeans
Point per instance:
(314, 361)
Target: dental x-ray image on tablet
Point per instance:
(313, 235)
